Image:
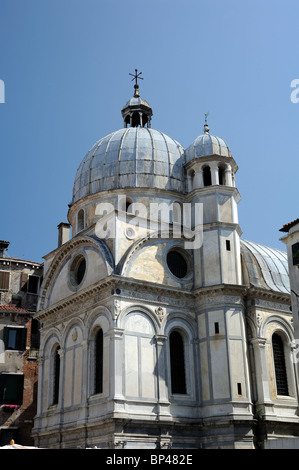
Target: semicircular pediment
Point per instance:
(79, 263)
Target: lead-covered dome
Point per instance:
(205, 145)
(134, 157)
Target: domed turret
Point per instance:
(205, 145)
(137, 112)
(208, 161)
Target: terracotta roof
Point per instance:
(12, 308)
(288, 226)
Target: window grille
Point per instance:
(177, 361)
(99, 362)
(56, 370)
(177, 264)
(279, 364)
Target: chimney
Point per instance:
(3, 248)
(63, 233)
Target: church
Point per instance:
(160, 326)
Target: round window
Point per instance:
(78, 268)
(177, 264)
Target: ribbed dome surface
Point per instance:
(135, 157)
(207, 144)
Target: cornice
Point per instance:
(118, 282)
(267, 294)
(113, 281)
(212, 189)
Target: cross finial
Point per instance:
(136, 76)
(206, 127)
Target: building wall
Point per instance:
(18, 358)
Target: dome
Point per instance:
(266, 267)
(134, 157)
(207, 144)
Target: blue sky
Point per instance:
(66, 63)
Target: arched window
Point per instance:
(207, 179)
(129, 206)
(177, 212)
(136, 119)
(98, 359)
(56, 374)
(177, 363)
(221, 174)
(80, 220)
(279, 365)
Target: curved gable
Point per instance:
(60, 281)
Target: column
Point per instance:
(163, 402)
(262, 372)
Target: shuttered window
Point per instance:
(4, 280)
(24, 279)
(15, 338)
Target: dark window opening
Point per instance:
(15, 338)
(33, 283)
(207, 179)
(279, 365)
(239, 386)
(11, 389)
(177, 362)
(81, 271)
(30, 283)
(129, 206)
(216, 328)
(35, 335)
(295, 254)
(221, 173)
(177, 264)
(227, 245)
(135, 120)
(56, 373)
(77, 270)
(99, 362)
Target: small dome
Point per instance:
(134, 157)
(207, 144)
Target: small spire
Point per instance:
(206, 127)
(136, 86)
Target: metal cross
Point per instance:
(136, 76)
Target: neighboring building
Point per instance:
(151, 338)
(292, 243)
(19, 343)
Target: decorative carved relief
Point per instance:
(160, 312)
(116, 309)
(75, 335)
